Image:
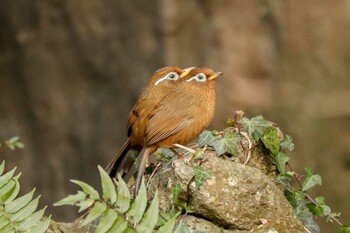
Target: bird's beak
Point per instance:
(186, 72)
(214, 76)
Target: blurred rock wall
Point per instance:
(71, 70)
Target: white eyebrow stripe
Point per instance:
(161, 80)
(191, 79)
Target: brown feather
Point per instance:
(168, 113)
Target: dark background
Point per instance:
(70, 71)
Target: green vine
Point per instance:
(260, 130)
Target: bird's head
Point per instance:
(168, 76)
(200, 76)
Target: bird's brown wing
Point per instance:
(140, 112)
(131, 120)
(164, 122)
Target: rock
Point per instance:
(236, 197)
(196, 224)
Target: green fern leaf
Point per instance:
(4, 179)
(130, 230)
(118, 226)
(151, 216)
(3, 222)
(123, 200)
(25, 211)
(41, 227)
(83, 205)
(87, 189)
(14, 192)
(8, 229)
(18, 215)
(169, 225)
(7, 190)
(2, 167)
(108, 188)
(97, 210)
(139, 206)
(30, 221)
(107, 220)
(72, 199)
(19, 203)
(181, 228)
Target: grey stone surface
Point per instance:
(237, 197)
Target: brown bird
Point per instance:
(176, 106)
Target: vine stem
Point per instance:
(297, 177)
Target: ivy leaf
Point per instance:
(311, 225)
(226, 144)
(271, 141)
(310, 180)
(200, 175)
(206, 138)
(281, 159)
(294, 197)
(164, 154)
(306, 217)
(315, 209)
(197, 155)
(284, 179)
(287, 143)
(255, 127)
(321, 201)
(345, 228)
(331, 216)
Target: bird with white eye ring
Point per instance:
(173, 76)
(161, 84)
(199, 78)
(167, 114)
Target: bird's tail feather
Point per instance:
(116, 164)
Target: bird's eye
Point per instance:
(201, 77)
(173, 76)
